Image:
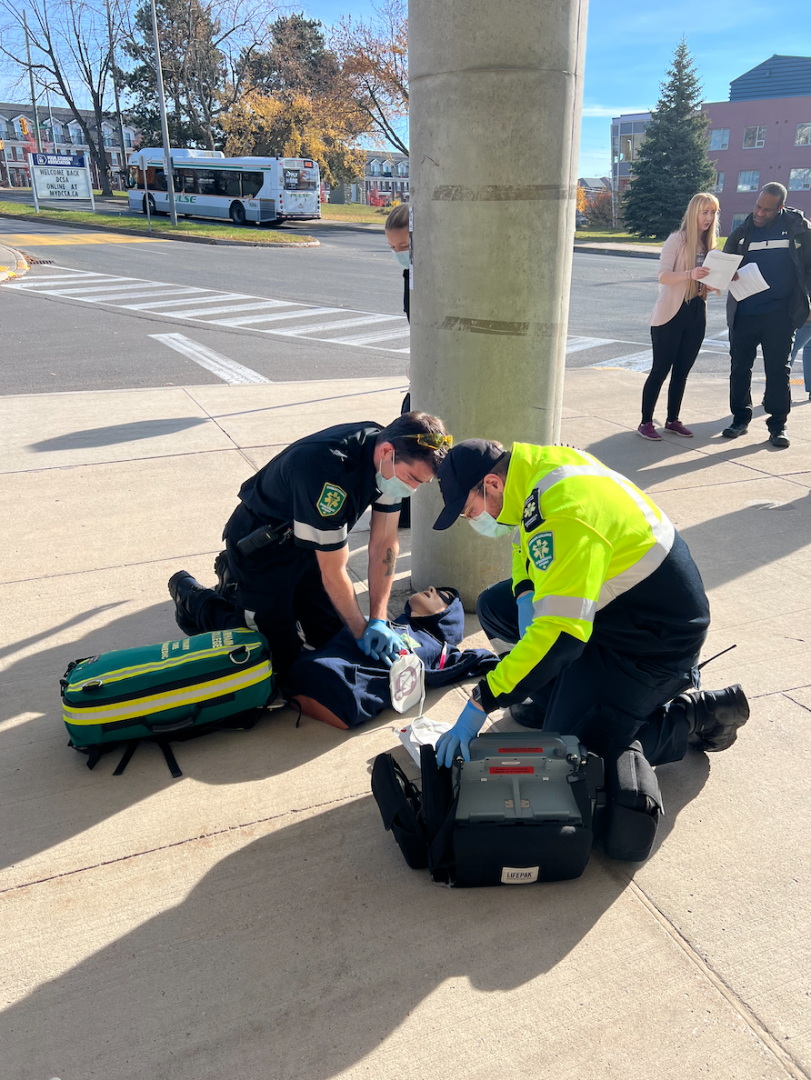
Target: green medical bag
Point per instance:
(167, 691)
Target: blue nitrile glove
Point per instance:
(456, 741)
(526, 612)
(380, 641)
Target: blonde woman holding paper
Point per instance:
(679, 317)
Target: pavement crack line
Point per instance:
(292, 812)
(789, 1063)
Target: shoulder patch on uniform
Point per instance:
(532, 516)
(542, 550)
(331, 499)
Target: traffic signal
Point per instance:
(23, 125)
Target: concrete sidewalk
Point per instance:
(253, 919)
(12, 263)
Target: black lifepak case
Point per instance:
(524, 810)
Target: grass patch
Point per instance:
(614, 236)
(369, 215)
(160, 226)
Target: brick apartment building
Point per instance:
(60, 134)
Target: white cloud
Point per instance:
(602, 110)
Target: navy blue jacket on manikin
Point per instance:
(356, 692)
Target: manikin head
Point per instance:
(431, 601)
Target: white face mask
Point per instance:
(486, 525)
(394, 487)
(403, 258)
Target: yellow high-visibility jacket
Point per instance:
(587, 541)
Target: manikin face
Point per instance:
(766, 209)
(430, 602)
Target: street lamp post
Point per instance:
(167, 155)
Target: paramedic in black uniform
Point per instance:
(284, 568)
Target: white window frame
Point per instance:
(807, 142)
(806, 186)
(749, 172)
(760, 140)
(724, 140)
(718, 186)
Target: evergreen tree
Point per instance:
(672, 164)
(297, 62)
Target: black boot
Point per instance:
(528, 714)
(189, 596)
(714, 716)
(226, 585)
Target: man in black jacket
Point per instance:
(778, 240)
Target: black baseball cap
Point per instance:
(465, 465)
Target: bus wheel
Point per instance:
(237, 213)
(152, 210)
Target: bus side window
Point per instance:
(159, 183)
(251, 184)
(230, 184)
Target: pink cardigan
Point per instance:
(671, 297)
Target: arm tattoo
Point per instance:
(389, 562)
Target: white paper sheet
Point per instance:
(722, 266)
(750, 281)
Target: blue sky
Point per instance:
(630, 45)
(631, 42)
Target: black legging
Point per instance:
(675, 345)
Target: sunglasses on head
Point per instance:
(436, 442)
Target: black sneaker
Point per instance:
(714, 716)
(528, 715)
(779, 439)
(734, 430)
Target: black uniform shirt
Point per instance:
(321, 485)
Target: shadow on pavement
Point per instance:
(49, 794)
(118, 433)
(294, 957)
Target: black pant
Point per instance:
(775, 334)
(675, 346)
(605, 698)
(281, 584)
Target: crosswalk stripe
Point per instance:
(245, 320)
(578, 344)
(257, 304)
(228, 370)
(368, 339)
(152, 305)
(328, 327)
(200, 305)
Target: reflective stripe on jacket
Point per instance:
(587, 535)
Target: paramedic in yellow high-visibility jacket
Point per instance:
(601, 625)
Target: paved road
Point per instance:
(110, 311)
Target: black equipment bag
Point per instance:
(520, 811)
(634, 805)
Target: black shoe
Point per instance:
(735, 429)
(714, 716)
(183, 588)
(528, 715)
(779, 439)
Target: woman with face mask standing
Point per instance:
(679, 317)
(604, 617)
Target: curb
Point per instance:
(9, 256)
(613, 249)
(174, 239)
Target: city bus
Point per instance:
(209, 184)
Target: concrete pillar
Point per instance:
(496, 96)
